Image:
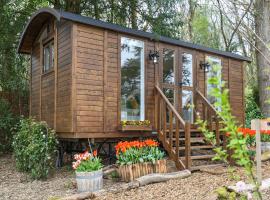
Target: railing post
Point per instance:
(217, 131)
(164, 122)
(171, 129)
(187, 146)
(177, 138)
(156, 110)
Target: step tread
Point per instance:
(199, 167)
(192, 139)
(198, 147)
(200, 157)
(182, 130)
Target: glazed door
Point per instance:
(214, 70)
(169, 73)
(186, 77)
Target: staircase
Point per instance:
(184, 143)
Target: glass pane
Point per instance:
(169, 93)
(52, 56)
(168, 66)
(212, 73)
(187, 105)
(132, 79)
(46, 59)
(187, 73)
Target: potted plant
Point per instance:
(88, 168)
(265, 138)
(144, 125)
(138, 158)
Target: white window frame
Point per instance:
(142, 81)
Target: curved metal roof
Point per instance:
(38, 18)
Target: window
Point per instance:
(187, 105)
(132, 79)
(168, 66)
(214, 63)
(187, 73)
(48, 56)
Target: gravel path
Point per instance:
(15, 185)
(200, 185)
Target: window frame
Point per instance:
(48, 42)
(120, 36)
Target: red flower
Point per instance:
(95, 153)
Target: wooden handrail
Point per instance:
(205, 100)
(166, 111)
(183, 123)
(213, 111)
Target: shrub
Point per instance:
(138, 152)
(7, 122)
(251, 108)
(87, 162)
(34, 148)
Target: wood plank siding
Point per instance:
(35, 82)
(64, 78)
(236, 87)
(86, 85)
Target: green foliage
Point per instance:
(251, 108)
(140, 155)
(7, 122)
(34, 148)
(93, 164)
(236, 142)
(224, 194)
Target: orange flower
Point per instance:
(95, 153)
(151, 143)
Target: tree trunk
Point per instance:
(191, 13)
(133, 13)
(262, 27)
(96, 9)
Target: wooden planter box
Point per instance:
(131, 172)
(135, 128)
(89, 181)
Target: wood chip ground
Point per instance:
(199, 186)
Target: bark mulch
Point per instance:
(200, 185)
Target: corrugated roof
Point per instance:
(58, 14)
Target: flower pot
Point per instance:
(131, 172)
(135, 128)
(265, 146)
(89, 181)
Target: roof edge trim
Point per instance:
(51, 11)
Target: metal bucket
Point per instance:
(89, 181)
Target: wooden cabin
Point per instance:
(88, 75)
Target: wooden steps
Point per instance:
(198, 147)
(193, 139)
(200, 167)
(200, 157)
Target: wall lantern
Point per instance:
(205, 66)
(154, 55)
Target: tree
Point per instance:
(262, 28)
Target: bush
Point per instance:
(252, 109)
(7, 122)
(34, 148)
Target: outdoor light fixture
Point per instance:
(205, 66)
(154, 55)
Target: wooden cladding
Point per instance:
(86, 82)
(89, 79)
